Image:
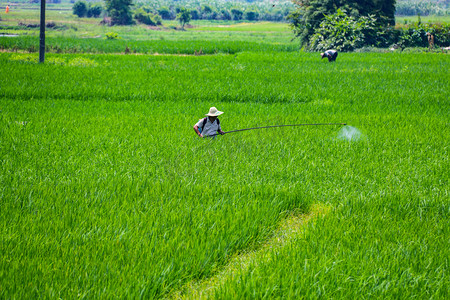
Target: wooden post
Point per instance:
(42, 33)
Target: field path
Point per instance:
(289, 228)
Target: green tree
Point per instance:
(308, 15)
(237, 14)
(94, 11)
(184, 16)
(206, 9)
(120, 11)
(80, 9)
(343, 32)
(251, 15)
(147, 18)
(164, 12)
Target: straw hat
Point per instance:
(213, 112)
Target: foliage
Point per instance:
(147, 18)
(237, 14)
(80, 8)
(184, 16)
(309, 14)
(164, 12)
(346, 33)
(251, 15)
(423, 8)
(222, 9)
(94, 10)
(120, 11)
(112, 36)
(415, 35)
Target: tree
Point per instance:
(184, 16)
(194, 14)
(251, 15)
(237, 14)
(164, 12)
(80, 9)
(306, 19)
(147, 18)
(94, 11)
(119, 11)
(343, 32)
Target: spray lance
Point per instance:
(287, 125)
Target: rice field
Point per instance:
(107, 192)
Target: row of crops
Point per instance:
(105, 190)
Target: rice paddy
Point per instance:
(106, 191)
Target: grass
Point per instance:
(107, 192)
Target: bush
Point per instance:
(251, 15)
(415, 35)
(147, 18)
(80, 9)
(94, 11)
(164, 12)
(112, 36)
(237, 14)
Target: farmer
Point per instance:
(330, 54)
(210, 125)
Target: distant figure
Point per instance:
(7, 9)
(330, 54)
(430, 41)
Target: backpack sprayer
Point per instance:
(316, 124)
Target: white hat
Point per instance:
(213, 112)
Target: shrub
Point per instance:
(251, 15)
(164, 12)
(237, 14)
(80, 9)
(112, 36)
(147, 18)
(94, 11)
(415, 35)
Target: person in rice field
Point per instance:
(330, 54)
(210, 125)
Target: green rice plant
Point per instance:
(105, 190)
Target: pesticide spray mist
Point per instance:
(349, 133)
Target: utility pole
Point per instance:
(42, 33)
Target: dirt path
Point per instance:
(290, 228)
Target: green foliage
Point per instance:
(415, 35)
(80, 9)
(424, 8)
(94, 10)
(251, 15)
(237, 14)
(343, 32)
(112, 36)
(147, 18)
(307, 18)
(120, 11)
(184, 16)
(164, 12)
